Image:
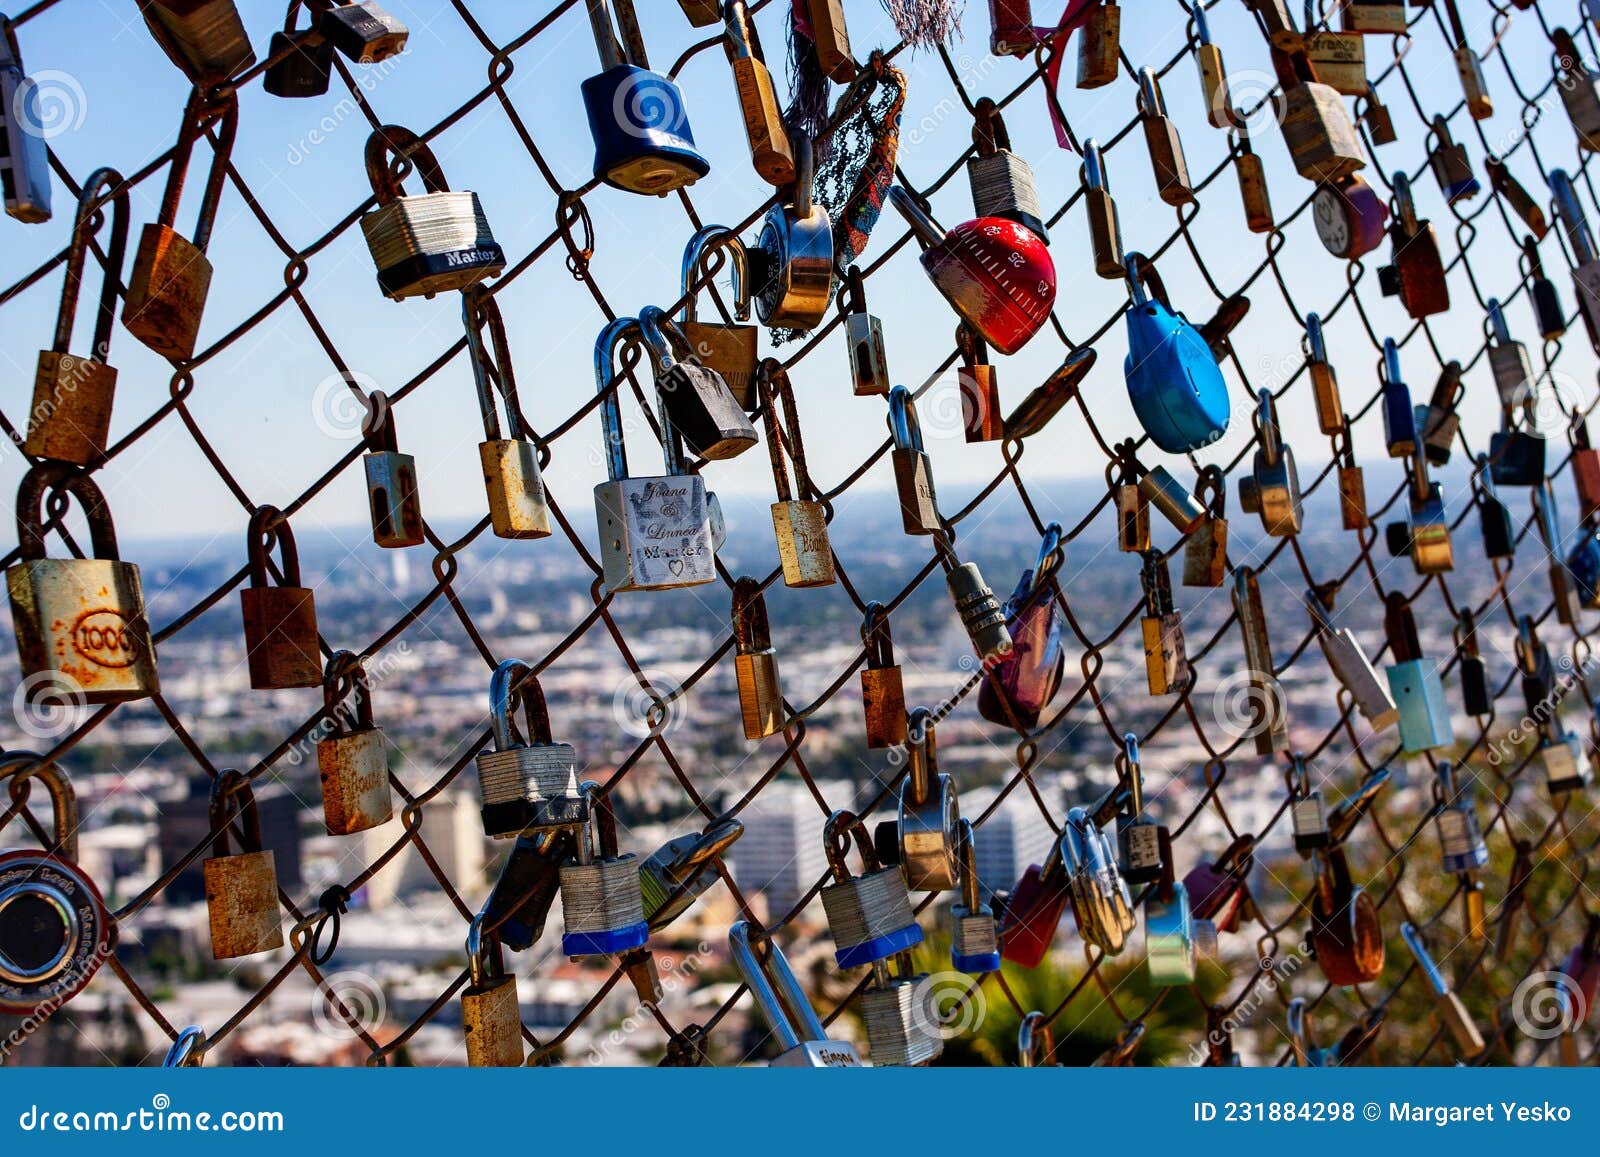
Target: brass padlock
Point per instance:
(1416, 270)
(1100, 45)
(206, 39)
(1213, 74)
(1105, 235)
(770, 150)
(241, 887)
(1324, 382)
(280, 622)
(913, 469)
(1252, 185)
(981, 418)
(1205, 554)
(1272, 488)
(1479, 106)
(831, 38)
(1317, 129)
(491, 1014)
(929, 814)
(511, 477)
(731, 350)
(70, 419)
(883, 694)
(79, 621)
(1380, 125)
(755, 663)
(1352, 487)
(1269, 722)
(863, 337)
(1161, 138)
(1339, 60)
(392, 495)
(1377, 16)
(1166, 660)
(1133, 507)
(800, 525)
(1518, 198)
(171, 275)
(352, 756)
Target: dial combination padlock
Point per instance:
(695, 398)
(491, 1014)
(869, 916)
(1350, 665)
(241, 887)
(1579, 89)
(729, 349)
(70, 418)
(1016, 690)
(755, 663)
(512, 481)
(980, 612)
(785, 1007)
(299, 61)
(1205, 553)
(1166, 658)
(280, 622)
(1002, 183)
(525, 782)
(55, 931)
(913, 468)
(637, 119)
(1100, 898)
(1105, 235)
(799, 525)
(1141, 854)
(1350, 217)
(975, 934)
(1173, 380)
(429, 244)
(895, 1013)
(24, 152)
(1161, 138)
(1415, 272)
(681, 870)
(929, 812)
(1272, 489)
(602, 904)
(1269, 708)
(352, 754)
(1308, 815)
(655, 533)
(1346, 934)
(206, 39)
(863, 337)
(883, 694)
(171, 274)
(1425, 721)
(1461, 844)
(791, 262)
(364, 32)
(392, 497)
(1324, 381)
(1440, 420)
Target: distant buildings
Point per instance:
(186, 822)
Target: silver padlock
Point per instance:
(1586, 265)
(975, 933)
(929, 812)
(1561, 758)
(511, 477)
(1270, 722)
(602, 903)
(897, 1010)
(1100, 896)
(791, 262)
(1002, 183)
(863, 338)
(1352, 668)
(24, 155)
(527, 782)
(1272, 489)
(869, 916)
(785, 1007)
(1508, 360)
(913, 468)
(1308, 814)
(391, 479)
(1579, 89)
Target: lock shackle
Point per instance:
(405, 146)
(1211, 487)
(1141, 274)
(491, 372)
(62, 477)
(662, 338)
(22, 768)
(1052, 554)
(1036, 1041)
(1530, 251)
(377, 426)
(782, 1002)
(853, 297)
(1133, 771)
(843, 827)
(989, 134)
(296, 7)
(922, 755)
(514, 682)
(345, 677)
(973, 349)
(923, 227)
(268, 528)
(1301, 1043)
(1321, 612)
(599, 837)
(1400, 626)
(1151, 102)
(875, 637)
(485, 961)
(1405, 206)
(967, 856)
(1570, 210)
(1446, 792)
(1497, 323)
(196, 114)
(698, 253)
(903, 423)
(1094, 167)
(103, 185)
(1316, 346)
(189, 1049)
(774, 389)
(1297, 776)
(1441, 132)
(751, 629)
(739, 32)
(1424, 959)
(605, 376)
(1266, 424)
(1391, 363)
(605, 37)
(1202, 26)
(233, 805)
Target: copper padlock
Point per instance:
(352, 755)
(980, 389)
(1100, 46)
(242, 887)
(1352, 487)
(280, 622)
(883, 693)
(755, 662)
(1585, 468)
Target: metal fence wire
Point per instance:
(1500, 928)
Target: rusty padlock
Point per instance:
(241, 887)
(353, 756)
(280, 622)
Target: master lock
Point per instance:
(392, 497)
(682, 869)
(1269, 709)
(241, 887)
(602, 903)
(491, 1014)
(1321, 139)
(785, 1007)
(1100, 898)
(1350, 665)
(70, 418)
(1451, 166)
(429, 244)
(1002, 183)
(1105, 235)
(913, 468)
(1324, 382)
(1350, 217)
(1272, 490)
(755, 663)
(791, 262)
(1169, 932)
(55, 931)
(206, 39)
(1586, 266)
(975, 934)
(280, 621)
(1461, 846)
(997, 275)
(299, 62)
(511, 478)
(1414, 682)
(900, 1031)
(655, 533)
(1415, 272)
(863, 338)
(352, 754)
(171, 274)
(730, 350)
(1166, 659)
(1440, 422)
(883, 695)
(1167, 162)
(364, 32)
(799, 525)
(1142, 850)
(869, 916)
(1173, 380)
(24, 152)
(1579, 89)
(1017, 689)
(526, 782)
(1454, 1014)
(1205, 553)
(637, 119)
(80, 623)
(929, 812)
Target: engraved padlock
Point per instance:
(280, 621)
(491, 1015)
(1350, 218)
(206, 39)
(364, 32)
(392, 497)
(241, 887)
(512, 481)
(929, 812)
(352, 754)
(695, 398)
(974, 932)
(869, 916)
(1272, 489)
(800, 525)
(601, 900)
(791, 261)
(729, 349)
(755, 662)
(784, 1006)
(525, 782)
(883, 695)
(1317, 130)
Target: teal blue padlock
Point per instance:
(1414, 682)
(1173, 380)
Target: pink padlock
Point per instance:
(1218, 891)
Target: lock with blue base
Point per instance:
(642, 139)
(975, 933)
(869, 915)
(1414, 682)
(1174, 384)
(1399, 417)
(602, 902)
(1461, 845)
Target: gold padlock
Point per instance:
(1324, 382)
(832, 39)
(491, 1015)
(242, 887)
(883, 693)
(1252, 185)
(1100, 46)
(800, 525)
(511, 477)
(1213, 73)
(770, 150)
(731, 350)
(1105, 235)
(755, 663)
(1161, 138)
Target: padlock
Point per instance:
(1351, 219)
(1100, 898)
(974, 932)
(1380, 124)
(204, 38)
(1036, 1043)
(755, 663)
(883, 695)
(280, 622)
(171, 275)
(1517, 197)
(1169, 932)
(1033, 910)
(1272, 489)
(1508, 360)
(1350, 665)
(1346, 934)
(55, 931)
(1376, 16)
(1585, 468)
(1317, 130)
(822, 21)
(1017, 689)
(730, 350)
(1567, 597)
(1516, 453)
(1324, 382)
(1133, 505)
(1307, 1054)
(1274, 15)
(392, 496)
(1205, 553)
(1214, 90)
(24, 150)
(1011, 29)
(863, 338)
(785, 1007)
(1338, 59)
(1166, 660)
(1105, 235)
(869, 916)
(1045, 400)
(1218, 331)
(602, 904)
(770, 151)
(1440, 422)
(299, 62)
(680, 871)
(1173, 380)
(429, 244)
(1252, 184)
(1470, 671)
(1002, 183)
(929, 812)
(642, 139)
(791, 262)
(1219, 892)
(1579, 89)
(1161, 139)
(1451, 166)
(1479, 106)
(800, 525)
(1537, 673)
(1269, 709)
(1586, 265)
(519, 904)
(1415, 272)
(80, 623)
(364, 32)
(1142, 854)
(913, 468)
(1352, 486)
(996, 275)
(1547, 309)
(1425, 721)
(901, 1028)
(1172, 499)
(1308, 815)
(980, 612)
(241, 887)
(525, 783)
(655, 533)
(352, 754)
(1562, 761)
(1100, 44)
(70, 419)
(702, 13)
(1461, 845)
(980, 389)
(518, 507)
(491, 1014)
(1494, 517)
(1399, 417)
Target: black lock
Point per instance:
(1494, 518)
(1546, 301)
(363, 32)
(695, 398)
(523, 895)
(1516, 458)
(1475, 699)
(301, 61)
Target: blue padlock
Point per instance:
(1583, 564)
(869, 915)
(1414, 682)
(975, 934)
(642, 139)
(1399, 418)
(1461, 843)
(1174, 384)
